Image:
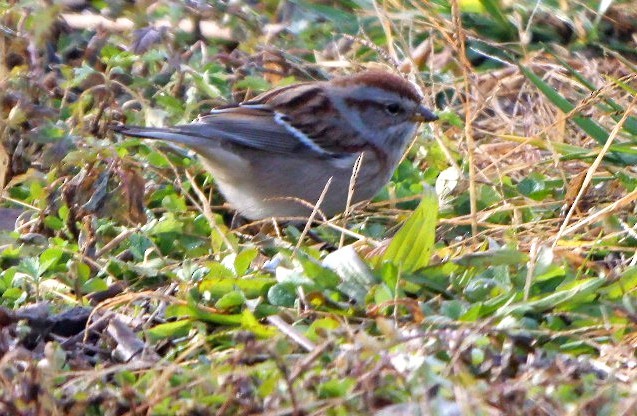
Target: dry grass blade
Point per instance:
(587, 180)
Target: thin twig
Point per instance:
(350, 194)
(310, 220)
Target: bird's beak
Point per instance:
(423, 114)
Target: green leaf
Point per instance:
(534, 186)
(176, 329)
(82, 73)
(318, 329)
(94, 285)
(203, 85)
(192, 311)
(410, 249)
(382, 294)
(323, 277)
(345, 21)
(492, 258)
(453, 309)
(243, 260)
(336, 388)
(252, 324)
(138, 245)
(167, 224)
(571, 295)
(253, 83)
(48, 258)
(14, 294)
(174, 203)
(493, 8)
(231, 300)
(480, 289)
(283, 294)
(627, 283)
(53, 222)
(114, 57)
(251, 287)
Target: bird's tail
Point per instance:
(159, 133)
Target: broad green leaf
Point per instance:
(627, 283)
(48, 258)
(410, 249)
(174, 203)
(182, 310)
(94, 285)
(382, 294)
(434, 278)
(323, 277)
(252, 324)
(336, 388)
(570, 294)
(168, 224)
(317, 329)
(253, 83)
(53, 222)
(453, 309)
(176, 329)
(231, 300)
(243, 260)
(283, 294)
(251, 287)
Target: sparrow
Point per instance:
(274, 155)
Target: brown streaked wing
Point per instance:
(309, 110)
(282, 95)
(255, 128)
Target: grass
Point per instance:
(124, 290)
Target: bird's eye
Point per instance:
(393, 108)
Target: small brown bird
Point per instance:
(273, 152)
